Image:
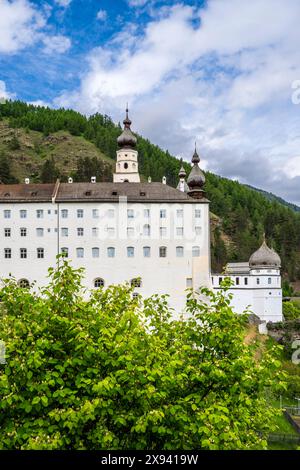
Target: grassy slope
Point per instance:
(36, 149)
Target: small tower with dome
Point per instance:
(182, 185)
(127, 169)
(256, 284)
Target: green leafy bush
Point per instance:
(291, 310)
(116, 372)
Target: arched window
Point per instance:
(147, 230)
(80, 252)
(24, 283)
(95, 252)
(196, 251)
(136, 282)
(98, 282)
(125, 165)
(269, 280)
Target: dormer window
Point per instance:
(114, 193)
(6, 194)
(88, 193)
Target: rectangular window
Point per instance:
(7, 253)
(64, 232)
(197, 230)
(111, 213)
(23, 232)
(163, 214)
(95, 213)
(197, 213)
(95, 252)
(111, 252)
(179, 251)
(179, 231)
(246, 281)
(49, 211)
(111, 231)
(7, 232)
(7, 214)
(65, 252)
(80, 231)
(162, 251)
(80, 213)
(179, 213)
(269, 280)
(163, 231)
(79, 252)
(23, 253)
(40, 214)
(130, 213)
(23, 214)
(130, 232)
(64, 213)
(257, 281)
(40, 253)
(146, 213)
(189, 282)
(95, 231)
(130, 252)
(220, 280)
(147, 251)
(39, 232)
(237, 281)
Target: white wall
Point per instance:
(159, 275)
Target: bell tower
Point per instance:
(127, 169)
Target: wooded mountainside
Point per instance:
(44, 144)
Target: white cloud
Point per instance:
(23, 25)
(4, 94)
(56, 44)
(221, 74)
(19, 25)
(102, 15)
(137, 3)
(63, 3)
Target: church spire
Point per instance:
(127, 139)
(196, 178)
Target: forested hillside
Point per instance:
(64, 142)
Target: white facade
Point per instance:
(166, 244)
(258, 290)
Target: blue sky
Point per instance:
(224, 73)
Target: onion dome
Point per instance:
(127, 139)
(265, 257)
(196, 177)
(182, 186)
(182, 173)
